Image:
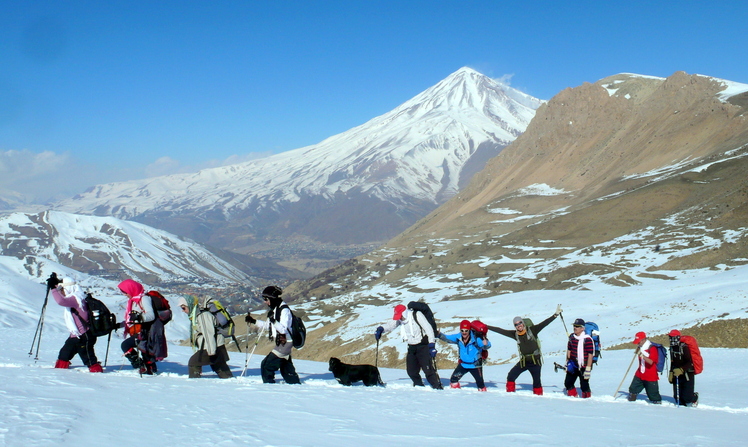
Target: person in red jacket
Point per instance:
(646, 377)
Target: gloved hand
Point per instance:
(52, 281)
(432, 350)
(379, 332)
(249, 320)
(586, 374)
(678, 372)
(558, 310)
(670, 377)
(135, 317)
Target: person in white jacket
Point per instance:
(416, 330)
(279, 325)
(210, 345)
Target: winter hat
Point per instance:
(399, 309)
(465, 324)
(517, 320)
(131, 288)
(67, 282)
(272, 292)
(674, 333)
(579, 322)
(182, 302)
(639, 337)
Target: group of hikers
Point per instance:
(146, 313)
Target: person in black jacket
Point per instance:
(682, 372)
(530, 357)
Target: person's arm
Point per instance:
(504, 332)
(540, 326)
(589, 351)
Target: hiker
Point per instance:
(418, 333)
(471, 345)
(646, 377)
(139, 317)
(579, 354)
(685, 363)
(210, 345)
(278, 324)
(68, 294)
(530, 357)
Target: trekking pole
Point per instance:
(40, 322)
(249, 357)
(676, 391)
(636, 352)
(106, 357)
(564, 322)
(376, 361)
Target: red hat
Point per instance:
(639, 337)
(465, 324)
(674, 333)
(399, 309)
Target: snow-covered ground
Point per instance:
(40, 405)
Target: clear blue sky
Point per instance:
(98, 91)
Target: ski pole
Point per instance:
(106, 357)
(40, 323)
(376, 361)
(636, 352)
(564, 322)
(249, 357)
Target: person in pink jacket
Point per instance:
(646, 377)
(139, 317)
(69, 295)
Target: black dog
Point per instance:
(347, 374)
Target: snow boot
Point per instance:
(482, 389)
(656, 402)
(455, 385)
(539, 391)
(572, 393)
(134, 358)
(511, 387)
(148, 368)
(695, 402)
(195, 372)
(586, 394)
(62, 364)
(96, 368)
(631, 397)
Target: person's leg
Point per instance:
(288, 371)
(569, 384)
(653, 391)
(454, 381)
(268, 367)
(477, 374)
(511, 378)
(537, 386)
(412, 368)
(428, 365)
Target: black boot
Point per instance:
(632, 397)
(134, 357)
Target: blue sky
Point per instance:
(92, 92)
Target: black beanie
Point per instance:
(272, 292)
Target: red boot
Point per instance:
(482, 389)
(96, 368)
(572, 392)
(586, 395)
(455, 385)
(511, 387)
(62, 364)
(538, 391)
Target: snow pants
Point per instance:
(683, 388)
(419, 358)
(571, 379)
(218, 363)
(518, 369)
(273, 363)
(652, 388)
(477, 374)
(83, 346)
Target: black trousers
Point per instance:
(519, 369)
(218, 363)
(83, 346)
(683, 387)
(419, 358)
(273, 363)
(477, 374)
(136, 342)
(571, 379)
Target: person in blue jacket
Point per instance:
(471, 345)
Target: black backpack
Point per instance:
(298, 329)
(100, 320)
(418, 306)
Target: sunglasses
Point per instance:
(519, 324)
(464, 330)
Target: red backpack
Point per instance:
(693, 347)
(160, 306)
(481, 329)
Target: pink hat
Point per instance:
(399, 309)
(639, 337)
(674, 333)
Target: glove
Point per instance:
(670, 377)
(52, 281)
(678, 372)
(135, 317)
(558, 310)
(249, 320)
(586, 374)
(378, 333)
(432, 350)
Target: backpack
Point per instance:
(100, 320)
(480, 329)
(531, 334)
(661, 356)
(224, 323)
(593, 331)
(160, 306)
(418, 306)
(298, 329)
(693, 347)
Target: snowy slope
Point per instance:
(108, 246)
(44, 406)
(416, 151)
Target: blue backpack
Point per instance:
(593, 331)
(661, 356)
